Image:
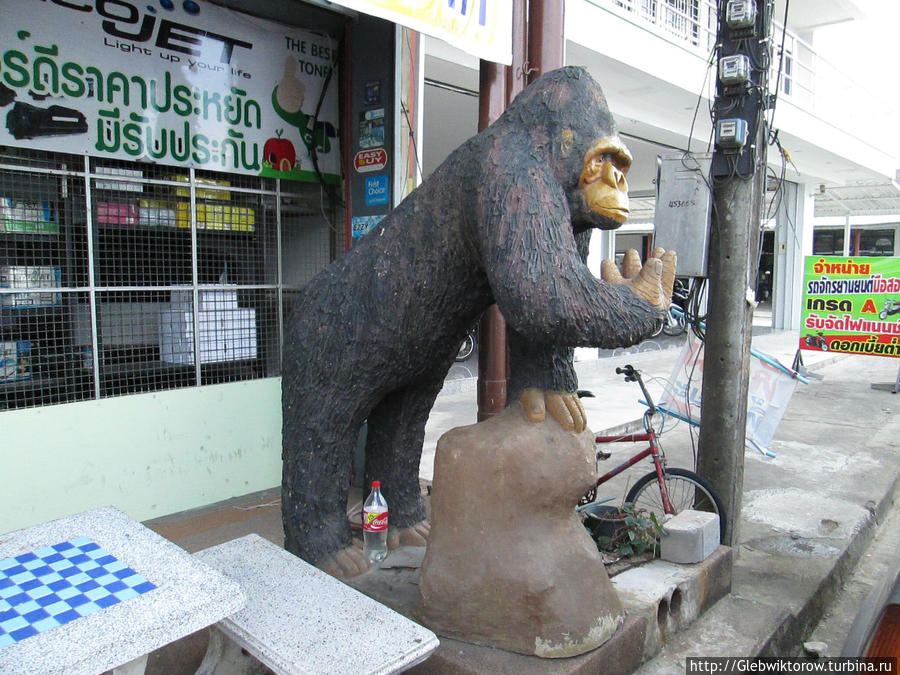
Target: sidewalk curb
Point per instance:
(796, 626)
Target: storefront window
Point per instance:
(863, 242)
(115, 276)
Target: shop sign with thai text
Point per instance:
(179, 83)
(851, 305)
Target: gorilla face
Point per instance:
(603, 181)
(599, 198)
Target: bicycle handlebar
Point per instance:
(632, 375)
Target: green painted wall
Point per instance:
(149, 454)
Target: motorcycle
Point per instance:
(890, 307)
(674, 323)
(467, 347)
(816, 341)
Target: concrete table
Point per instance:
(98, 590)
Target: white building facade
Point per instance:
(832, 192)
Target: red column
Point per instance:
(498, 86)
(546, 44)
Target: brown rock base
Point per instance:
(509, 563)
(620, 655)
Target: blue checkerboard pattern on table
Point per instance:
(60, 583)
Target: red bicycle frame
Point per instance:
(650, 451)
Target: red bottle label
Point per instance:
(375, 522)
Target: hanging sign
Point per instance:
(184, 83)
(482, 28)
(851, 305)
(769, 391)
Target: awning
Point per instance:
(860, 199)
(482, 28)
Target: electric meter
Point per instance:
(734, 69)
(731, 134)
(740, 14)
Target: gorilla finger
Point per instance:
(576, 410)
(610, 273)
(669, 262)
(533, 404)
(556, 405)
(648, 283)
(631, 264)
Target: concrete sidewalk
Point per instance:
(807, 514)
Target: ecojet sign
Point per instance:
(185, 83)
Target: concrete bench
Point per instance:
(298, 619)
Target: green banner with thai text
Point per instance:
(851, 305)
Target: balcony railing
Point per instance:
(692, 22)
(797, 73)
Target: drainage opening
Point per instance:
(675, 604)
(662, 615)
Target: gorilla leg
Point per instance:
(315, 485)
(396, 431)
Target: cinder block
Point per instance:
(692, 537)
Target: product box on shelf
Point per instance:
(28, 277)
(116, 213)
(225, 335)
(156, 213)
(17, 215)
(121, 324)
(218, 217)
(201, 192)
(210, 299)
(125, 186)
(15, 361)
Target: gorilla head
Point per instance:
(569, 122)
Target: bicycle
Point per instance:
(664, 491)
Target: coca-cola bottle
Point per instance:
(375, 524)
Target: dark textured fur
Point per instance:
(373, 335)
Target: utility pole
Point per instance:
(738, 181)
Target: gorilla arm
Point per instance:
(550, 299)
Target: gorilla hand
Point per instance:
(653, 281)
(564, 407)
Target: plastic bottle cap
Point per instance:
(376, 484)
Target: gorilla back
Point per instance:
(506, 219)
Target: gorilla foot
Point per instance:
(348, 562)
(415, 535)
(564, 407)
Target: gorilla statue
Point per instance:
(506, 219)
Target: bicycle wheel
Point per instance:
(686, 489)
(658, 328)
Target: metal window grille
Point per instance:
(123, 277)
(691, 21)
(680, 17)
